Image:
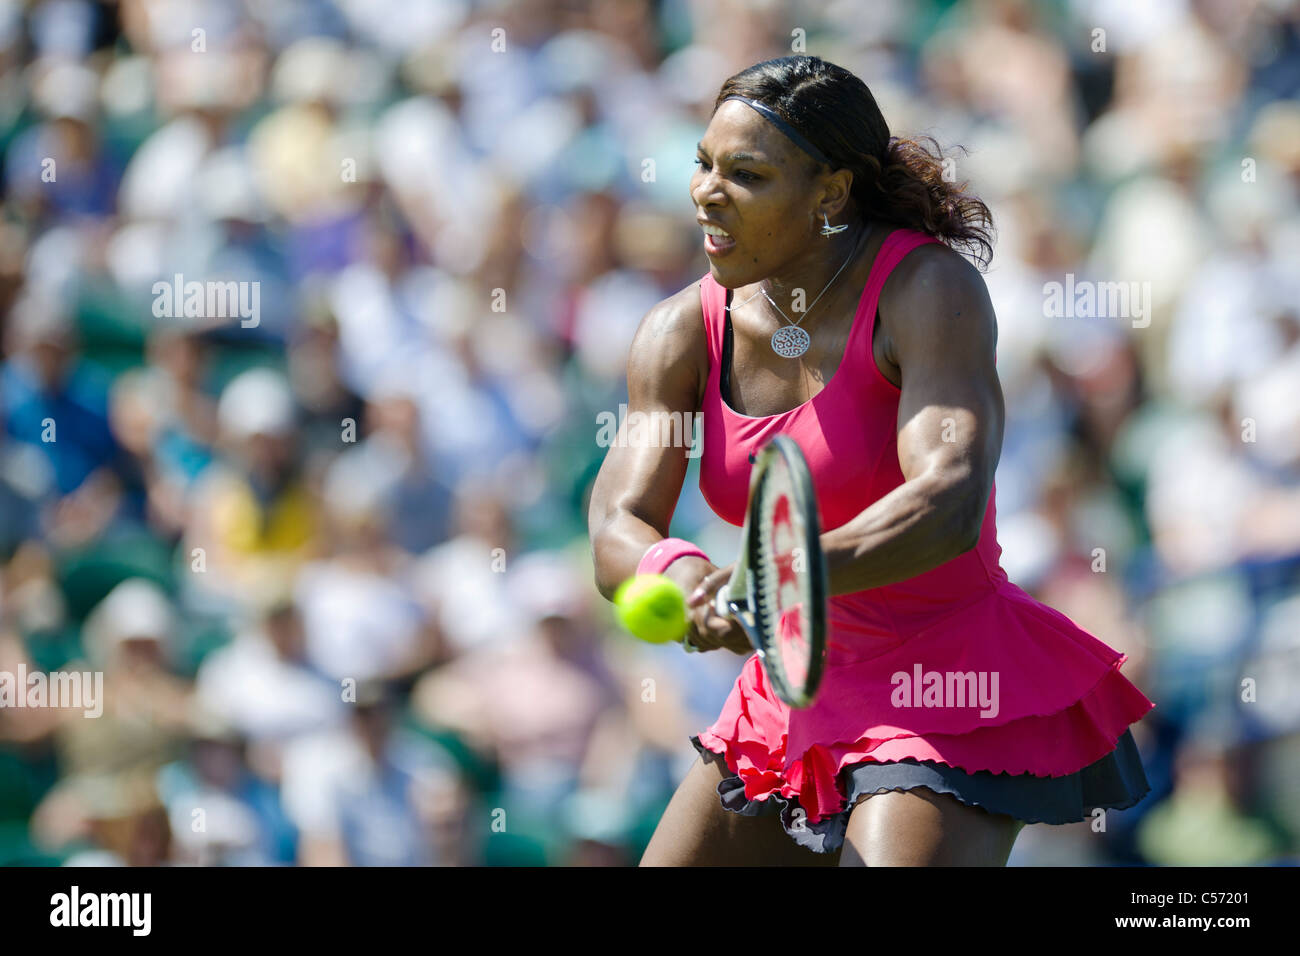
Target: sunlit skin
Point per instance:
(934, 337)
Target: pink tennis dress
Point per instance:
(1042, 735)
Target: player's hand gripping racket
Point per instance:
(777, 591)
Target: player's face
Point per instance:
(758, 187)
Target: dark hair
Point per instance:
(897, 181)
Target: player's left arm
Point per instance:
(940, 328)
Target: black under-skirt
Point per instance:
(1115, 782)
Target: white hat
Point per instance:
(547, 584)
(137, 608)
(256, 402)
(226, 187)
(65, 90)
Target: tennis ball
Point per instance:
(652, 607)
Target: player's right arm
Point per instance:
(636, 491)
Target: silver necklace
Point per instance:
(790, 341)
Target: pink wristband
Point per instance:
(665, 552)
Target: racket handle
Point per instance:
(721, 605)
(722, 601)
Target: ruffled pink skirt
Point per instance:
(1005, 684)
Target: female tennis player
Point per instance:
(838, 309)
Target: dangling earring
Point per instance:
(828, 230)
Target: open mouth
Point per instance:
(717, 241)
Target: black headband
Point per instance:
(793, 134)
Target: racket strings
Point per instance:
(785, 573)
(786, 584)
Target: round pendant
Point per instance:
(790, 341)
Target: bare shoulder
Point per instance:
(679, 319)
(669, 358)
(936, 294)
(932, 270)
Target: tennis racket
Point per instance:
(777, 591)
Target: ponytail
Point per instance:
(913, 191)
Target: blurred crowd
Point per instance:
(330, 555)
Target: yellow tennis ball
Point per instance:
(652, 607)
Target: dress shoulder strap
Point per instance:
(892, 251)
(713, 300)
